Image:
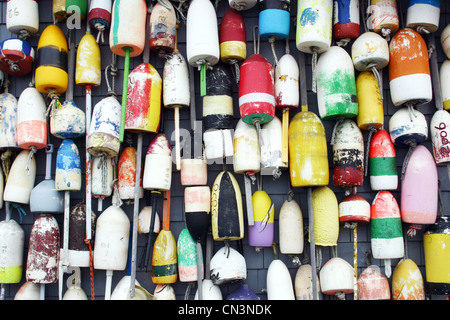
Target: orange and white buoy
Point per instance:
(384, 17)
(407, 281)
(373, 285)
(127, 174)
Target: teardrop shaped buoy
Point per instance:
(68, 121)
(372, 285)
(384, 17)
(68, 167)
(261, 233)
(407, 281)
(408, 127)
(127, 174)
(158, 164)
(436, 245)
(278, 281)
(336, 277)
(345, 20)
(8, 125)
(16, 57)
(290, 224)
(227, 265)
(326, 216)
(423, 16)
(88, 62)
(440, 135)
(22, 17)
(163, 29)
(20, 182)
(12, 238)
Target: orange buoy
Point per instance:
(373, 285)
(127, 174)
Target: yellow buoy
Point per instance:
(261, 233)
(88, 67)
(51, 64)
(326, 216)
(407, 281)
(308, 154)
(370, 103)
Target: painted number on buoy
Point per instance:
(445, 150)
(13, 12)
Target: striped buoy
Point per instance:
(407, 281)
(187, 257)
(384, 17)
(163, 29)
(440, 135)
(99, 16)
(127, 174)
(423, 16)
(16, 57)
(336, 278)
(12, 238)
(326, 216)
(354, 208)
(444, 78)
(372, 285)
(408, 127)
(68, 167)
(382, 162)
(197, 207)
(386, 229)
(436, 245)
(370, 102)
(345, 20)
(261, 233)
(158, 164)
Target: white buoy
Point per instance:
(20, 182)
(279, 282)
(291, 228)
(227, 265)
(336, 277)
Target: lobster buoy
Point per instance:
(144, 221)
(218, 101)
(382, 162)
(445, 41)
(261, 233)
(348, 155)
(243, 292)
(22, 17)
(88, 62)
(326, 216)
(232, 39)
(194, 172)
(111, 239)
(303, 283)
(308, 151)
(158, 164)
(227, 265)
(51, 64)
(127, 174)
(444, 77)
(99, 16)
(197, 207)
(345, 20)
(384, 17)
(78, 252)
(407, 281)
(164, 291)
(354, 208)
(227, 216)
(386, 229)
(336, 86)
(440, 135)
(370, 102)
(336, 277)
(21, 178)
(370, 50)
(187, 257)
(247, 156)
(43, 250)
(28, 291)
(218, 144)
(271, 148)
(408, 127)
(409, 69)
(279, 282)
(12, 238)
(274, 19)
(423, 16)
(8, 125)
(163, 29)
(68, 167)
(314, 26)
(242, 4)
(290, 223)
(256, 90)
(419, 190)
(67, 121)
(372, 285)
(436, 240)
(102, 177)
(16, 57)
(103, 135)
(143, 99)
(31, 120)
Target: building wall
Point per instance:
(257, 261)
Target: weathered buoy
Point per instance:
(278, 281)
(370, 102)
(232, 39)
(261, 233)
(372, 285)
(88, 62)
(28, 291)
(336, 86)
(12, 238)
(247, 156)
(21, 178)
(163, 29)
(197, 206)
(345, 20)
(194, 172)
(187, 257)
(8, 125)
(354, 208)
(336, 278)
(370, 50)
(419, 190)
(43, 251)
(102, 177)
(22, 17)
(445, 41)
(144, 220)
(68, 167)
(436, 245)
(444, 77)
(386, 229)
(99, 16)
(274, 19)
(158, 164)
(242, 4)
(408, 127)
(16, 57)
(407, 281)
(227, 216)
(303, 283)
(348, 155)
(384, 17)
(164, 291)
(409, 69)
(127, 174)
(290, 224)
(326, 216)
(272, 148)
(440, 135)
(423, 16)
(67, 121)
(308, 151)
(227, 265)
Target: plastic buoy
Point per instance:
(370, 50)
(272, 148)
(67, 121)
(407, 281)
(232, 39)
(336, 278)
(197, 207)
(444, 77)
(274, 19)
(370, 102)
(384, 17)
(21, 178)
(382, 162)
(345, 20)
(423, 16)
(158, 164)
(372, 285)
(408, 127)
(227, 265)
(278, 281)
(290, 223)
(102, 177)
(16, 57)
(440, 134)
(163, 29)
(326, 216)
(12, 238)
(261, 233)
(247, 156)
(436, 245)
(187, 257)
(68, 167)
(127, 174)
(194, 172)
(28, 291)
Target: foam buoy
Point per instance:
(68, 167)
(243, 292)
(194, 172)
(261, 233)
(290, 223)
(336, 86)
(345, 20)
(440, 134)
(409, 69)
(12, 238)
(384, 17)
(303, 283)
(423, 16)
(187, 257)
(22, 17)
(407, 281)
(372, 285)
(99, 16)
(67, 121)
(336, 277)
(88, 62)
(382, 162)
(158, 164)
(28, 291)
(127, 174)
(436, 239)
(197, 206)
(16, 57)
(102, 177)
(370, 50)
(348, 155)
(444, 77)
(408, 127)
(228, 265)
(247, 156)
(21, 178)
(445, 40)
(162, 29)
(354, 208)
(272, 148)
(226, 208)
(386, 229)
(370, 102)
(274, 19)
(419, 190)
(8, 125)
(279, 282)
(326, 216)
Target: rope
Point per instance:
(114, 71)
(33, 150)
(372, 130)
(19, 208)
(101, 31)
(6, 162)
(272, 46)
(91, 267)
